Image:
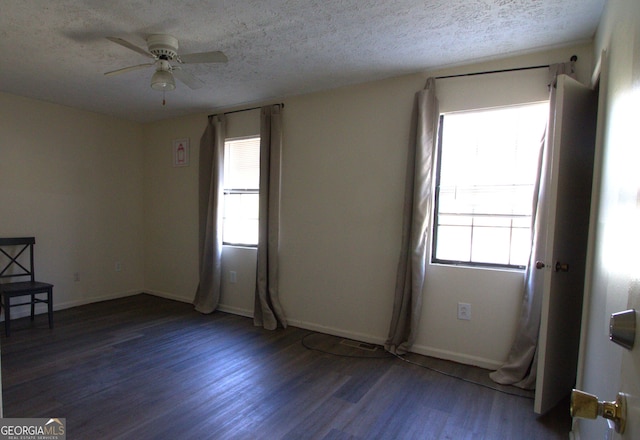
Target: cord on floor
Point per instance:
(388, 355)
(462, 378)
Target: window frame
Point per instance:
(436, 212)
(239, 191)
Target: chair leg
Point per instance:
(50, 306)
(33, 306)
(7, 315)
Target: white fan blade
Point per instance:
(130, 46)
(188, 79)
(203, 57)
(129, 69)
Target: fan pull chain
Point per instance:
(163, 100)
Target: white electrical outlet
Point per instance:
(464, 311)
(118, 266)
(233, 276)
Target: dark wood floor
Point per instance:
(148, 368)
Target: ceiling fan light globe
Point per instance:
(163, 81)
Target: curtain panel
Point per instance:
(268, 312)
(210, 209)
(410, 276)
(520, 368)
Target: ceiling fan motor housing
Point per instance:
(163, 46)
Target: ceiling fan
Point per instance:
(163, 49)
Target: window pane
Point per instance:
(454, 243)
(520, 246)
(241, 183)
(240, 222)
(241, 206)
(237, 231)
(503, 222)
(455, 220)
(490, 245)
(487, 169)
(242, 164)
(522, 222)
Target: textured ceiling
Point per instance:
(57, 50)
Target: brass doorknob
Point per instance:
(587, 406)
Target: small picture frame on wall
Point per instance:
(181, 152)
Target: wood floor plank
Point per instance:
(144, 367)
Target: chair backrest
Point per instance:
(13, 262)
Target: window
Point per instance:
(241, 191)
(486, 172)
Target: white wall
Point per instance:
(171, 215)
(344, 163)
(96, 190)
(494, 295)
(614, 258)
(101, 190)
(171, 209)
(73, 179)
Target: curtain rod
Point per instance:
(244, 110)
(574, 58)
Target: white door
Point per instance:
(568, 183)
(630, 375)
(614, 284)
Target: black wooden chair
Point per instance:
(15, 265)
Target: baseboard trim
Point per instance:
(362, 337)
(168, 295)
(222, 307)
(489, 364)
(42, 309)
(235, 310)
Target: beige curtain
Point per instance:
(268, 312)
(210, 207)
(520, 368)
(407, 305)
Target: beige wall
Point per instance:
(494, 295)
(344, 163)
(171, 214)
(170, 209)
(73, 179)
(102, 190)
